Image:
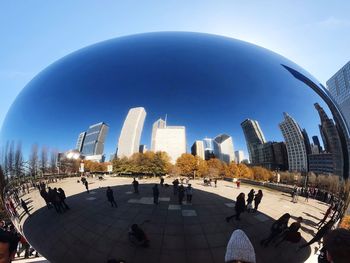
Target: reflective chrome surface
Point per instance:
(209, 84)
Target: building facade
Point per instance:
(208, 148)
(172, 140)
(239, 156)
(197, 149)
(130, 136)
(321, 163)
(296, 150)
(80, 141)
(317, 143)
(331, 139)
(339, 88)
(223, 148)
(95, 139)
(254, 137)
(159, 124)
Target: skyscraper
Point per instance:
(331, 139)
(254, 137)
(223, 148)
(172, 140)
(208, 148)
(80, 141)
(94, 139)
(197, 149)
(130, 135)
(317, 143)
(158, 124)
(339, 88)
(296, 150)
(239, 156)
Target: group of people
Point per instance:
(242, 206)
(180, 190)
(54, 198)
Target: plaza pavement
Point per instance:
(93, 231)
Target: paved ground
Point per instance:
(92, 231)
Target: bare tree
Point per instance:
(18, 161)
(34, 161)
(43, 160)
(11, 159)
(53, 161)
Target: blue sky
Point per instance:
(314, 34)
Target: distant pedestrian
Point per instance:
(135, 184)
(175, 186)
(24, 206)
(215, 182)
(181, 194)
(110, 197)
(155, 194)
(62, 196)
(239, 248)
(277, 228)
(86, 186)
(250, 200)
(238, 183)
(189, 192)
(239, 207)
(307, 194)
(257, 200)
(161, 181)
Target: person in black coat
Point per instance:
(110, 197)
(257, 200)
(277, 228)
(62, 196)
(155, 194)
(239, 207)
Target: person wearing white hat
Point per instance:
(239, 248)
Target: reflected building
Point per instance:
(93, 145)
(296, 150)
(130, 136)
(197, 149)
(254, 137)
(317, 143)
(331, 140)
(172, 140)
(142, 148)
(223, 148)
(208, 148)
(321, 163)
(339, 88)
(80, 141)
(239, 156)
(158, 124)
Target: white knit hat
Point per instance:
(240, 248)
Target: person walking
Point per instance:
(181, 194)
(250, 200)
(189, 191)
(155, 194)
(135, 184)
(62, 196)
(215, 182)
(307, 194)
(277, 228)
(24, 206)
(86, 186)
(110, 197)
(239, 207)
(175, 186)
(257, 200)
(323, 220)
(161, 181)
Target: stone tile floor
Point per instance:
(93, 231)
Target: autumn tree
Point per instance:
(261, 173)
(231, 170)
(215, 167)
(244, 171)
(202, 168)
(187, 164)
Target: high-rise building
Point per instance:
(130, 136)
(339, 88)
(331, 139)
(223, 148)
(239, 156)
(172, 140)
(94, 139)
(254, 137)
(80, 141)
(314, 149)
(197, 149)
(296, 150)
(317, 143)
(321, 163)
(208, 148)
(142, 148)
(280, 156)
(158, 124)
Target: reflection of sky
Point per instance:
(208, 84)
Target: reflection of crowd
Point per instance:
(54, 198)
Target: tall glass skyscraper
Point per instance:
(339, 88)
(130, 135)
(296, 149)
(223, 148)
(254, 137)
(94, 139)
(80, 141)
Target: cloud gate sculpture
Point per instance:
(139, 106)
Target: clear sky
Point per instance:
(314, 34)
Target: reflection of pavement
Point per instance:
(93, 231)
